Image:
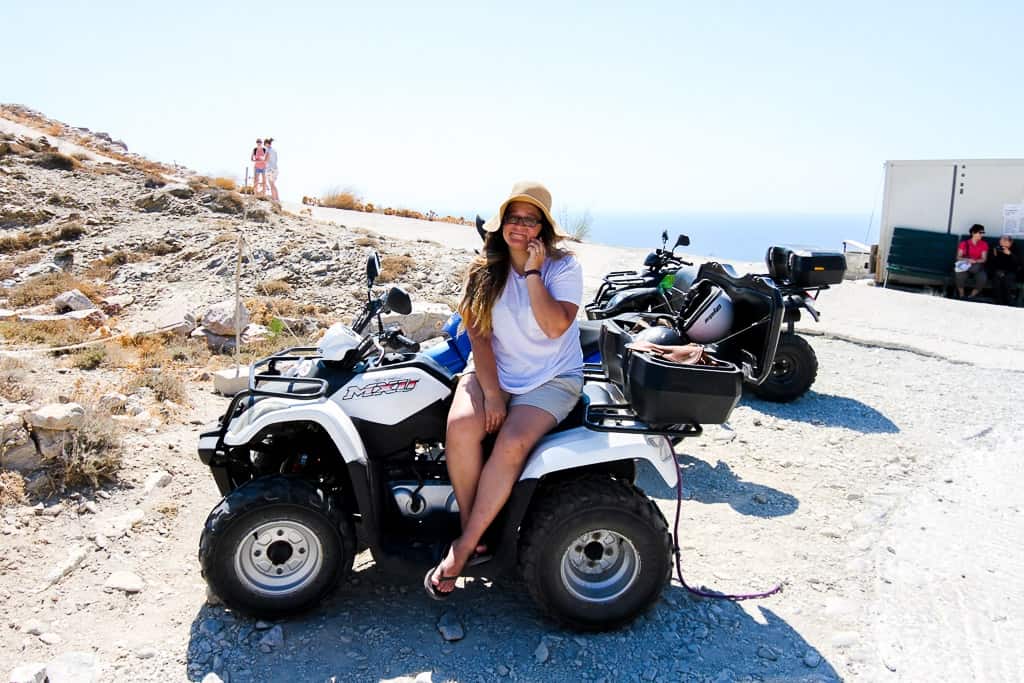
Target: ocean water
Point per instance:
(736, 236)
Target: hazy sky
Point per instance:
(674, 106)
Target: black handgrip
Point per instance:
(402, 340)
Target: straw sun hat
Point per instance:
(530, 192)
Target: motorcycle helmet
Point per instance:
(708, 315)
(665, 336)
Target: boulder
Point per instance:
(224, 201)
(278, 273)
(154, 201)
(40, 269)
(179, 191)
(17, 449)
(73, 667)
(230, 381)
(33, 672)
(254, 333)
(56, 416)
(115, 304)
(112, 402)
(51, 442)
(73, 300)
(224, 319)
(425, 321)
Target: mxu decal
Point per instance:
(380, 388)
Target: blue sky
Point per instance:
(675, 106)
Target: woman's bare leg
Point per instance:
(523, 428)
(463, 452)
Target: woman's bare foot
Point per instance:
(451, 567)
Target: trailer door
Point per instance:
(982, 188)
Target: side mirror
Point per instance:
(372, 268)
(664, 238)
(398, 301)
(682, 241)
(480, 228)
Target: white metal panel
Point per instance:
(982, 188)
(391, 395)
(917, 195)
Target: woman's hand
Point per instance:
(494, 411)
(536, 253)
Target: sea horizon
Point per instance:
(737, 236)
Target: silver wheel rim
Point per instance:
(599, 566)
(279, 558)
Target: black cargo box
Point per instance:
(664, 393)
(805, 267)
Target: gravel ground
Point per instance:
(890, 515)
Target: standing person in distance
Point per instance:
(519, 306)
(272, 168)
(259, 168)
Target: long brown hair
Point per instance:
(488, 274)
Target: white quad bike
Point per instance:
(341, 447)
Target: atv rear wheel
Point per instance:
(275, 546)
(595, 553)
(793, 372)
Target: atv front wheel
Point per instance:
(595, 553)
(275, 546)
(793, 371)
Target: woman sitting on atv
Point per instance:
(526, 373)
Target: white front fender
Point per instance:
(580, 447)
(325, 413)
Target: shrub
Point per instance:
(23, 241)
(49, 332)
(89, 358)
(160, 247)
(367, 242)
(224, 183)
(12, 488)
(103, 267)
(23, 218)
(42, 288)
(92, 453)
(13, 380)
(274, 287)
(342, 199)
(81, 156)
(164, 382)
(394, 267)
(576, 225)
(55, 161)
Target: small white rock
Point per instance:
(125, 581)
(541, 654)
(50, 638)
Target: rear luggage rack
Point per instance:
(620, 417)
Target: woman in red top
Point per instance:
(970, 260)
(259, 177)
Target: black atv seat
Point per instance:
(590, 336)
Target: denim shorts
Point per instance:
(557, 396)
(260, 171)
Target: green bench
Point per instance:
(922, 254)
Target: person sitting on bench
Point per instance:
(1005, 263)
(970, 260)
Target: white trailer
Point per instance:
(946, 196)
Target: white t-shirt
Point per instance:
(525, 356)
(272, 159)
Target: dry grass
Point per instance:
(12, 488)
(274, 287)
(48, 333)
(89, 358)
(342, 199)
(103, 267)
(367, 242)
(14, 384)
(24, 241)
(22, 218)
(92, 453)
(42, 288)
(394, 267)
(164, 381)
(55, 161)
(263, 309)
(224, 184)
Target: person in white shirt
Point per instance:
(519, 306)
(272, 168)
